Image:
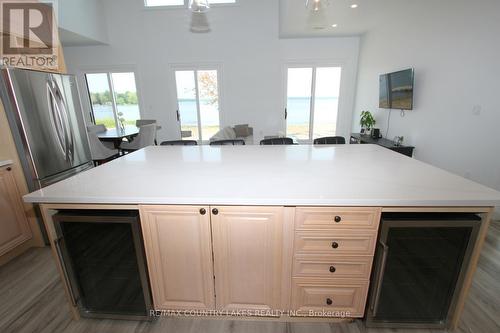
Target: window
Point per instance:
(312, 102)
(198, 103)
(179, 3)
(113, 97)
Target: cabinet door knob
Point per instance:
(332, 269)
(335, 245)
(203, 211)
(337, 219)
(215, 211)
(329, 301)
(9, 168)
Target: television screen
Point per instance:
(396, 90)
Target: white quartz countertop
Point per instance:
(344, 175)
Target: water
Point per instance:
(209, 113)
(298, 111)
(325, 109)
(130, 112)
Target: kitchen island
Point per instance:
(267, 228)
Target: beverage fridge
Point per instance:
(420, 264)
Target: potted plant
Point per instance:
(367, 122)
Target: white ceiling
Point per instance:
(298, 21)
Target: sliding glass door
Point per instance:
(312, 101)
(198, 103)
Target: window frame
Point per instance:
(109, 71)
(195, 68)
(313, 65)
(186, 4)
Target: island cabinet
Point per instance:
(248, 257)
(178, 246)
(312, 261)
(333, 255)
(237, 250)
(14, 225)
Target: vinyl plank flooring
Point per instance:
(32, 300)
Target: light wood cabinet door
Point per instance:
(248, 247)
(14, 227)
(179, 252)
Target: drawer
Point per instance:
(329, 298)
(334, 243)
(314, 218)
(333, 267)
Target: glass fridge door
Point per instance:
(419, 265)
(104, 257)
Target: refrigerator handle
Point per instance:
(57, 121)
(57, 245)
(380, 276)
(70, 142)
(56, 101)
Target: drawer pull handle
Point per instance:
(332, 269)
(335, 245)
(203, 211)
(337, 219)
(329, 301)
(215, 211)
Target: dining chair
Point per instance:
(276, 141)
(99, 129)
(179, 143)
(96, 128)
(330, 140)
(229, 142)
(142, 122)
(146, 137)
(99, 152)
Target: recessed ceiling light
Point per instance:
(354, 6)
(334, 25)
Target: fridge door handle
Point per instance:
(57, 120)
(58, 100)
(68, 130)
(57, 245)
(380, 276)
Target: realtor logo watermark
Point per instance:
(29, 34)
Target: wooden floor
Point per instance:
(32, 300)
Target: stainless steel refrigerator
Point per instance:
(46, 119)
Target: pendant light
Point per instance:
(199, 6)
(316, 4)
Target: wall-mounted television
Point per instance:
(396, 90)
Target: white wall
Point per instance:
(244, 41)
(83, 17)
(455, 50)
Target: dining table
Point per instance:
(116, 135)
